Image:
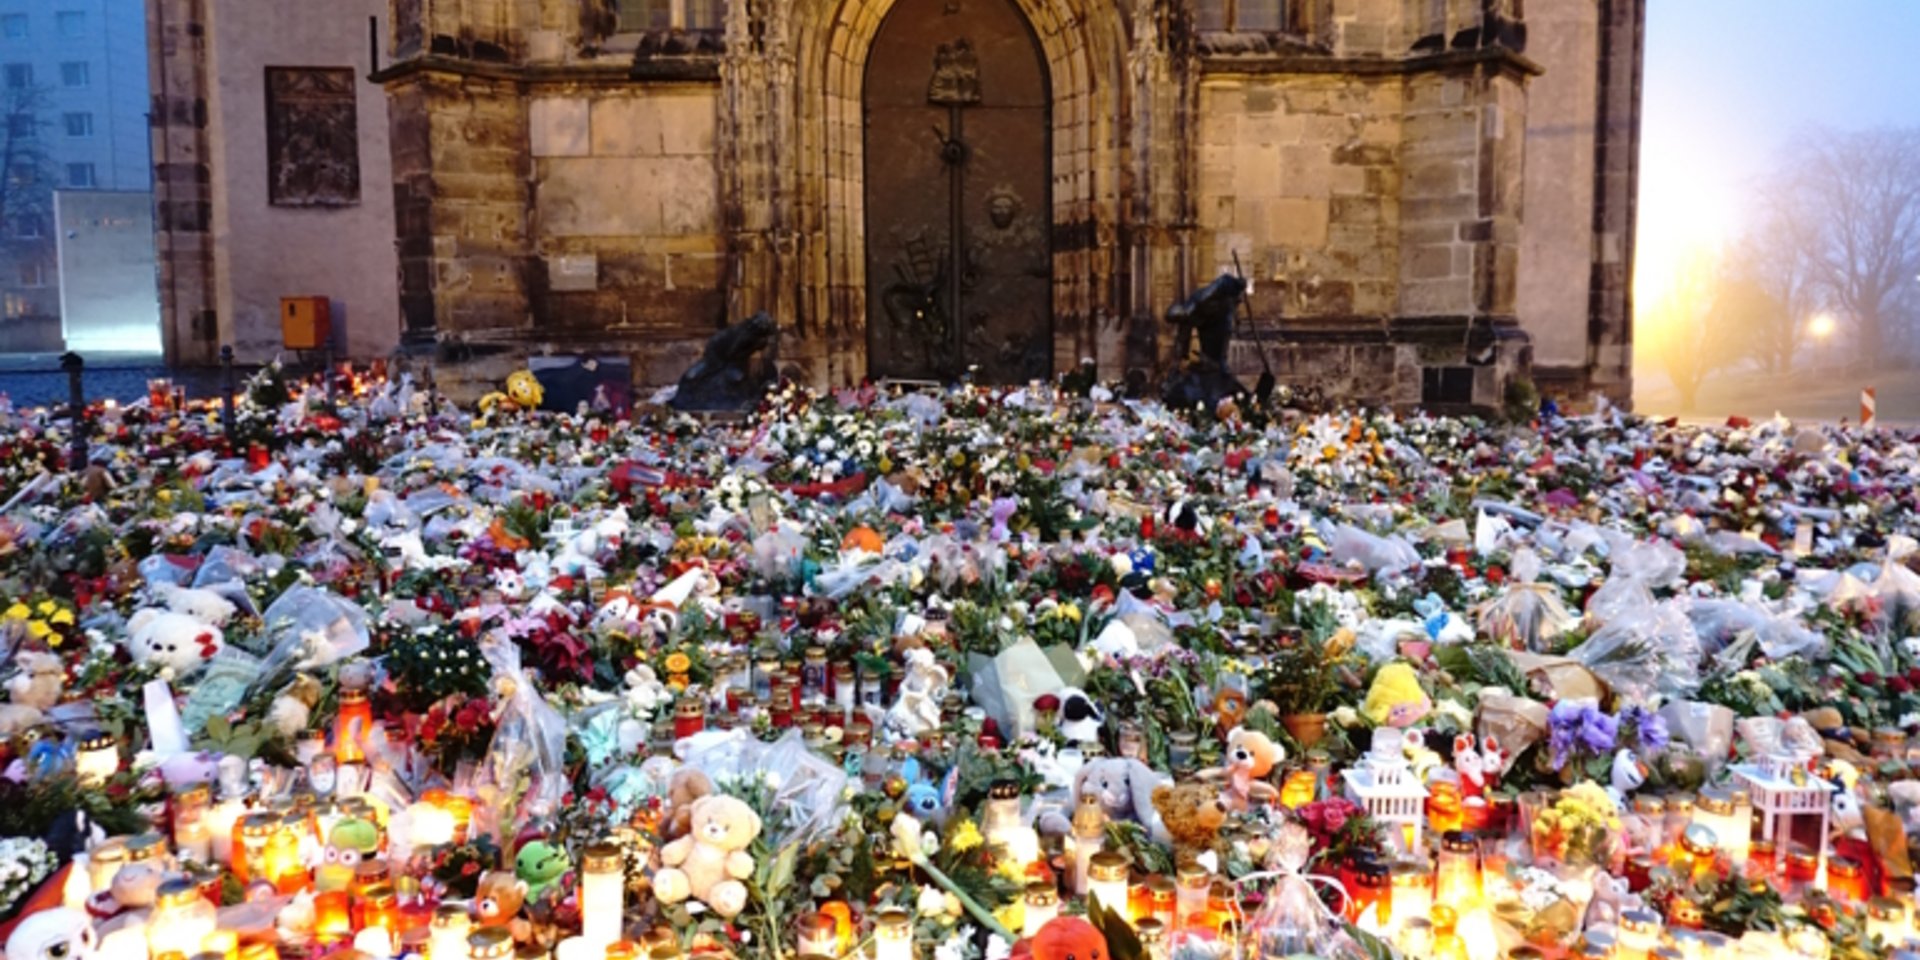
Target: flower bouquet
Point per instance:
(25, 863)
(1581, 828)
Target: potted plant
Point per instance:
(1303, 674)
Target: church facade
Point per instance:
(1430, 198)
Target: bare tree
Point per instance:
(1861, 196)
(1774, 283)
(26, 174)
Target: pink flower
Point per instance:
(1335, 819)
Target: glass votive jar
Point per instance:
(1846, 881)
(1412, 897)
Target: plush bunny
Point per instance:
(1471, 765)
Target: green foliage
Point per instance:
(29, 809)
(430, 663)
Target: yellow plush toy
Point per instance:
(524, 388)
(1395, 699)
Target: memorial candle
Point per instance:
(603, 884)
(893, 936)
(1042, 905)
(1107, 881)
(181, 919)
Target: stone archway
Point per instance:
(1084, 43)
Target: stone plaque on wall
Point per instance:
(313, 142)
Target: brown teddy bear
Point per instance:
(1251, 758)
(1193, 814)
(687, 786)
(497, 902)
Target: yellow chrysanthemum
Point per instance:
(39, 629)
(966, 836)
(62, 618)
(47, 607)
(19, 611)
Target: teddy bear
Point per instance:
(1193, 814)
(1125, 787)
(1250, 758)
(684, 789)
(710, 862)
(292, 709)
(176, 642)
(33, 691)
(498, 898)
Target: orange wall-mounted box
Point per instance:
(306, 323)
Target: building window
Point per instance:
(640, 16)
(79, 124)
(1252, 16)
(32, 274)
(14, 26)
(72, 23)
(27, 227)
(313, 137)
(80, 175)
(18, 306)
(19, 76)
(75, 74)
(20, 125)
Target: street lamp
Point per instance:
(1821, 326)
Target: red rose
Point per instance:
(1899, 685)
(1870, 678)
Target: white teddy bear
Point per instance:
(202, 603)
(176, 642)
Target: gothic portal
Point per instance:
(958, 267)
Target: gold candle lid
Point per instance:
(1042, 895)
(601, 858)
(1151, 931)
(1699, 840)
(145, 847)
(176, 893)
(1650, 806)
(493, 942)
(449, 916)
(1640, 921)
(1885, 908)
(1106, 867)
(895, 922)
(1715, 804)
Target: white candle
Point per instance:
(220, 821)
(1107, 882)
(430, 825)
(577, 948)
(603, 883)
(893, 936)
(447, 937)
(375, 942)
(127, 943)
(1043, 904)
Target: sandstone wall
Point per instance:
(626, 222)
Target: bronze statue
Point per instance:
(1209, 312)
(725, 377)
